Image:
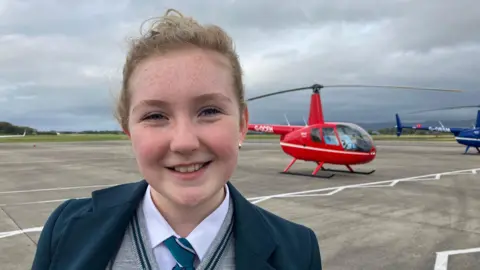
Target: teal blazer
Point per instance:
(83, 234)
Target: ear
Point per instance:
(126, 132)
(244, 124)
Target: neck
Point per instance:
(184, 219)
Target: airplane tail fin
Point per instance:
(477, 123)
(399, 125)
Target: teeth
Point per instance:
(190, 168)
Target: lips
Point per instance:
(189, 168)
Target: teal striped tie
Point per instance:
(182, 251)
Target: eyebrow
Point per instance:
(198, 99)
(212, 96)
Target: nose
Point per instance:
(184, 138)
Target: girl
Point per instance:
(182, 106)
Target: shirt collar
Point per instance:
(200, 238)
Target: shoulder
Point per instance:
(73, 208)
(293, 239)
(67, 211)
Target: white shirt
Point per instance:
(200, 238)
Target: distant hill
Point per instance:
(7, 128)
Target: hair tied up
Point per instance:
(165, 21)
(174, 11)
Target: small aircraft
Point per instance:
(470, 137)
(323, 142)
(13, 136)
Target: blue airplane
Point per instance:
(470, 137)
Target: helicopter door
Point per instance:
(315, 135)
(330, 137)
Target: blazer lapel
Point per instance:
(91, 240)
(253, 241)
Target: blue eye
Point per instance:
(153, 116)
(210, 111)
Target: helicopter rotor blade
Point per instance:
(396, 86)
(280, 92)
(446, 108)
(316, 87)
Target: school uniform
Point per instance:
(112, 230)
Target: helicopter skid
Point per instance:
(468, 147)
(323, 176)
(350, 170)
(313, 174)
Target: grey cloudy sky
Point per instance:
(61, 60)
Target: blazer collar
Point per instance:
(91, 239)
(253, 240)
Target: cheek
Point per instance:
(223, 138)
(147, 145)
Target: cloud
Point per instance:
(61, 61)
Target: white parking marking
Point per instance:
(441, 262)
(255, 200)
(53, 189)
(377, 184)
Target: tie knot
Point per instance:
(182, 251)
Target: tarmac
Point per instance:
(418, 210)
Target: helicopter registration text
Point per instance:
(263, 128)
(443, 129)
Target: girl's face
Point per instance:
(185, 125)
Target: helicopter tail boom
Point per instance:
(273, 129)
(454, 130)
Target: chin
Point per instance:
(193, 196)
(189, 194)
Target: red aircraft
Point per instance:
(325, 142)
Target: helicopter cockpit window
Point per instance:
(315, 135)
(353, 139)
(329, 136)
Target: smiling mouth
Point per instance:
(189, 168)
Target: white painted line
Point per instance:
(365, 185)
(307, 195)
(441, 262)
(376, 186)
(13, 233)
(333, 190)
(393, 183)
(60, 160)
(261, 200)
(256, 198)
(39, 202)
(53, 189)
(421, 179)
(438, 176)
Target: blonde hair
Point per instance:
(170, 32)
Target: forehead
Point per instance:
(181, 74)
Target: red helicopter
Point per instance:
(323, 142)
